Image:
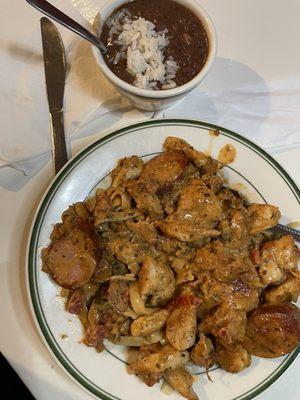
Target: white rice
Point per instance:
(144, 48)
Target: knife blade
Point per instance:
(55, 75)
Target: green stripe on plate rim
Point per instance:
(32, 254)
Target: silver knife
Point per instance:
(55, 74)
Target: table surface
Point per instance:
(271, 32)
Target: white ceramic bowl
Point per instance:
(148, 99)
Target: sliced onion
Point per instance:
(132, 341)
(131, 314)
(126, 277)
(155, 337)
(166, 388)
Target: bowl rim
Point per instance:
(194, 6)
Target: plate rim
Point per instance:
(32, 291)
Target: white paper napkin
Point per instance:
(267, 113)
(25, 133)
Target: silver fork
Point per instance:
(286, 230)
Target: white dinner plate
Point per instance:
(104, 375)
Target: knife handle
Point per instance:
(60, 157)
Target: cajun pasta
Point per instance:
(174, 263)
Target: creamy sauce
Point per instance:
(64, 293)
(132, 354)
(208, 151)
(248, 194)
(224, 178)
(227, 154)
(239, 187)
(213, 134)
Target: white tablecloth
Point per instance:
(258, 42)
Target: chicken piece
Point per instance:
(213, 182)
(251, 277)
(224, 264)
(147, 324)
(234, 358)
(273, 330)
(203, 352)
(262, 217)
(71, 256)
(145, 230)
(169, 194)
(243, 296)
(201, 200)
(227, 324)
(158, 172)
(154, 360)
(118, 296)
(234, 230)
(271, 273)
(181, 327)
(199, 159)
(287, 292)
(282, 251)
(182, 381)
(156, 282)
(197, 214)
(164, 168)
(237, 266)
(231, 200)
(186, 295)
(145, 199)
(216, 268)
(209, 257)
(171, 246)
(102, 207)
(131, 253)
(128, 168)
(212, 292)
(278, 257)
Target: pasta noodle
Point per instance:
(136, 302)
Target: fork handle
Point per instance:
(286, 230)
(63, 19)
